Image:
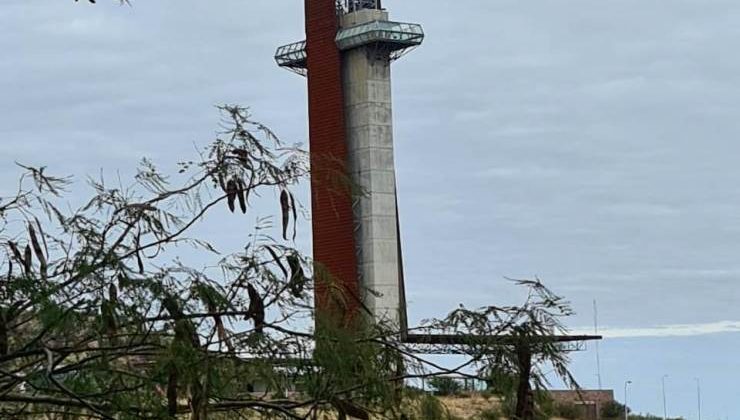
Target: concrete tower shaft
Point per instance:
(366, 74)
(352, 44)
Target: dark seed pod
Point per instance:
(285, 209)
(242, 195)
(5, 290)
(277, 261)
(28, 260)
(16, 253)
(231, 192)
(37, 249)
(256, 309)
(41, 234)
(297, 276)
(113, 293)
(295, 215)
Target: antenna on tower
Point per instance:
(355, 5)
(596, 332)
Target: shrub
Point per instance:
(445, 386)
(613, 410)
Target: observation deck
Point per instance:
(395, 37)
(293, 57)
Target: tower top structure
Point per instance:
(397, 38)
(355, 5)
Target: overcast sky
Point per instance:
(590, 143)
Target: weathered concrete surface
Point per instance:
(369, 121)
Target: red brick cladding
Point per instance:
(331, 202)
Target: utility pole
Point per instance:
(698, 396)
(626, 408)
(665, 406)
(598, 357)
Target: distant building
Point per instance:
(589, 402)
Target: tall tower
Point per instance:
(347, 57)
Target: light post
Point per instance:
(626, 409)
(698, 396)
(665, 406)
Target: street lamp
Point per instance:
(698, 396)
(626, 409)
(665, 407)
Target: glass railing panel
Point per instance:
(379, 31)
